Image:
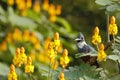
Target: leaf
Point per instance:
(64, 23)
(78, 55)
(20, 21)
(83, 71)
(4, 69)
(118, 37)
(113, 57)
(11, 49)
(112, 8)
(104, 2)
(2, 12)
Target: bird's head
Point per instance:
(80, 38)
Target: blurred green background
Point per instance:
(76, 16)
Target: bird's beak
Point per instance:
(77, 39)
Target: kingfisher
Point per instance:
(84, 48)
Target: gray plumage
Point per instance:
(82, 46)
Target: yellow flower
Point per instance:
(32, 55)
(23, 56)
(16, 59)
(113, 29)
(9, 37)
(56, 40)
(33, 38)
(21, 5)
(45, 5)
(17, 35)
(41, 56)
(51, 53)
(58, 10)
(46, 42)
(36, 6)
(112, 20)
(52, 18)
(112, 26)
(96, 38)
(12, 75)
(28, 3)
(19, 57)
(29, 68)
(51, 10)
(23, 12)
(10, 2)
(18, 1)
(3, 46)
(26, 35)
(61, 77)
(37, 45)
(101, 54)
(64, 60)
(96, 30)
(54, 64)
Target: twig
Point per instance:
(108, 45)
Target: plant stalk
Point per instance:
(108, 37)
(118, 66)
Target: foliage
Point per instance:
(34, 30)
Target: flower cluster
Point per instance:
(36, 6)
(12, 75)
(53, 50)
(22, 5)
(61, 77)
(101, 54)
(52, 10)
(96, 38)
(19, 36)
(19, 59)
(29, 68)
(64, 60)
(112, 29)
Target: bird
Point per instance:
(84, 48)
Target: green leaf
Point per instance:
(20, 21)
(64, 23)
(113, 57)
(112, 8)
(83, 71)
(2, 12)
(104, 2)
(84, 54)
(3, 17)
(4, 69)
(11, 49)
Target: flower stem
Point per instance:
(108, 37)
(113, 41)
(118, 66)
(97, 47)
(31, 78)
(49, 73)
